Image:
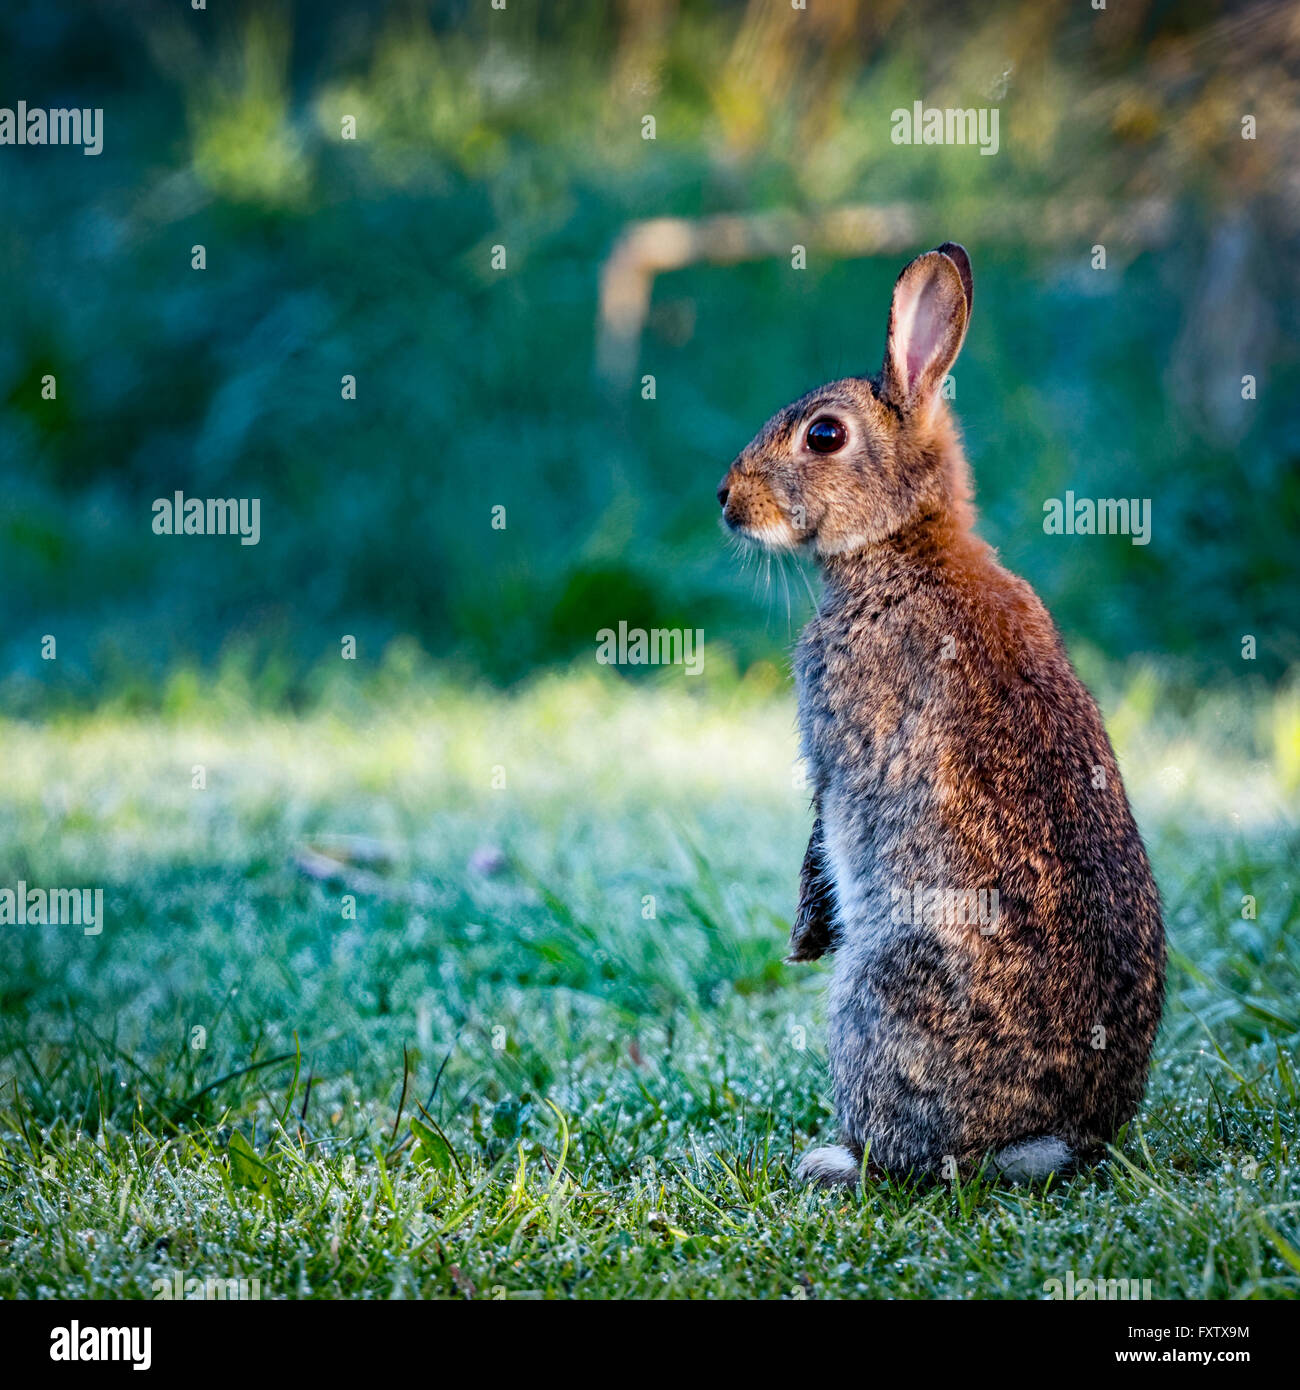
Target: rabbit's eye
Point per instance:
(825, 435)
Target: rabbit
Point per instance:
(974, 865)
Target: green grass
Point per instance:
(610, 1104)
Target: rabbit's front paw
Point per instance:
(810, 937)
(814, 920)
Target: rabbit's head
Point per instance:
(854, 462)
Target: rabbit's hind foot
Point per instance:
(832, 1166)
(1032, 1160)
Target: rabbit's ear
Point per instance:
(927, 323)
(957, 255)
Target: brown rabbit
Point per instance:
(974, 865)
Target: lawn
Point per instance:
(555, 1051)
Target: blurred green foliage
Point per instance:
(475, 388)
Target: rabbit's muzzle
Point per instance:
(749, 509)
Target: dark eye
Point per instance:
(826, 435)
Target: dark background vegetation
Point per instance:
(477, 388)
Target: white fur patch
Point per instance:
(832, 1166)
(771, 536)
(837, 846)
(1033, 1159)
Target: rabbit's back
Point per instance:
(1000, 951)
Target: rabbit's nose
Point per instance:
(723, 493)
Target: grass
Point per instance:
(503, 1078)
